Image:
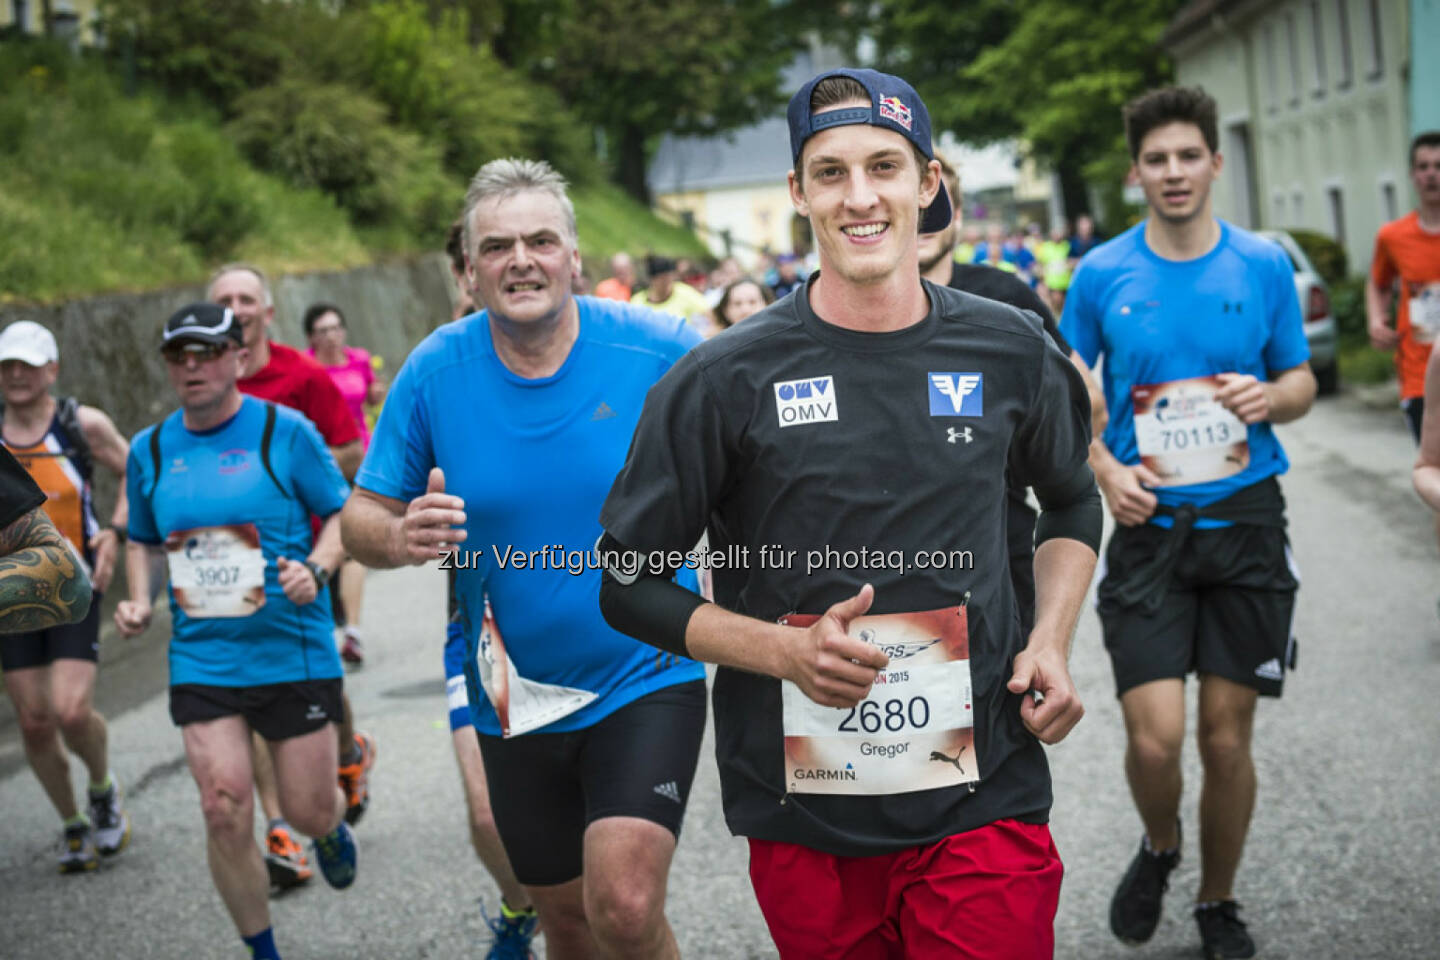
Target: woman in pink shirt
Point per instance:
(354, 374)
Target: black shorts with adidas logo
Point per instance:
(546, 788)
(1228, 608)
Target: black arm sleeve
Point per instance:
(1070, 509)
(642, 602)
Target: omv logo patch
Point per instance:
(811, 400)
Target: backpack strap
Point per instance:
(67, 412)
(266, 436)
(154, 461)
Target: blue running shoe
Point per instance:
(513, 929)
(338, 855)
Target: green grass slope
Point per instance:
(101, 192)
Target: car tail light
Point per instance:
(1319, 307)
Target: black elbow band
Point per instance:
(646, 606)
(1071, 511)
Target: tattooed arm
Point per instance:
(42, 583)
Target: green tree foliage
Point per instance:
(214, 51)
(1054, 73)
(335, 139)
(641, 68)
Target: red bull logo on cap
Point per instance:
(891, 108)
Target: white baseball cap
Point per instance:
(28, 342)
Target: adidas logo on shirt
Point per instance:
(668, 790)
(1270, 670)
(603, 412)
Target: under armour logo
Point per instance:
(952, 435)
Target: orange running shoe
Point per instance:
(355, 778)
(285, 860)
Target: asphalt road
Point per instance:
(1341, 860)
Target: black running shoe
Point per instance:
(1222, 932)
(1135, 908)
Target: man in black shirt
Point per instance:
(938, 265)
(878, 726)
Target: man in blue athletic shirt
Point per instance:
(225, 487)
(1204, 350)
(498, 442)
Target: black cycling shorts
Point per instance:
(276, 711)
(40, 648)
(546, 788)
(1228, 609)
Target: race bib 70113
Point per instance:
(1185, 435)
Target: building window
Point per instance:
(1292, 44)
(1277, 201)
(1317, 27)
(22, 16)
(1377, 49)
(1272, 92)
(1297, 207)
(1337, 214)
(1388, 201)
(1342, 9)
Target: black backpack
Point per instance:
(265, 437)
(67, 412)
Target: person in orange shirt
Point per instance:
(621, 282)
(1407, 252)
(50, 673)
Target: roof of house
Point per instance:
(758, 154)
(1199, 14)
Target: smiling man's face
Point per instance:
(862, 189)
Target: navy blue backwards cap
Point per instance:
(894, 105)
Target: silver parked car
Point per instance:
(1315, 309)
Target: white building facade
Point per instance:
(1314, 123)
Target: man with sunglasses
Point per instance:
(284, 375)
(225, 486)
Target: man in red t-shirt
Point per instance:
(286, 376)
(1408, 251)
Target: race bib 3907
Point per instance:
(217, 571)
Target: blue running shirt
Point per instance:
(1156, 321)
(533, 461)
(213, 496)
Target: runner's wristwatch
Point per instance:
(321, 575)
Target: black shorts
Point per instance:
(276, 711)
(69, 641)
(1414, 409)
(1228, 608)
(546, 788)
